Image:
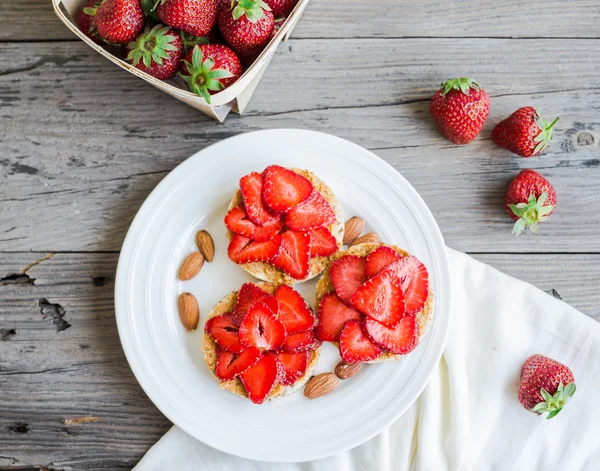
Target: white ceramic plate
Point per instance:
(168, 362)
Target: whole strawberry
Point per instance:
(85, 20)
(524, 132)
(530, 199)
(118, 21)
(196, 17)
(460, 108)
(248, 26)
(157, 51)
(281, 8)
(210, 68)
(546, 385)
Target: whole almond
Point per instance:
(320, 385)
(345, 370)
(368, 238)
(354, 226)
(191, 266)
(206, 245)
(189, 312)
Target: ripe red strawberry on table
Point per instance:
(530, 199)
(460, 108)
(196, 17)
(281, 8)
(545, 385)
(157, 51)
(118, 21)
(85, 20)
(246, 27)
(524, 132)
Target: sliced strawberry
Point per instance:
(300, 342)
(230, 365)
(225, 332)
(236, 220)
(380, 258)
(347, 275)
(294, 255)
(243, 250)
(314, 212)
(259, 379)
(269, 231)
(294, 313)
(283, 189)
(322, 242)
(292, 366)
(251, 187)
(332, 315)
(400, 340)
(261, 328)
(355, 346)
(414, 280)
(248, 296)
(381, 298)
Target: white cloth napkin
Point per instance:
(468, 417)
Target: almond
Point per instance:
(320, 385)
(354, 226)
(189, 312)
(345, 370)
(368, 238)
(206, 245)
(191, 266)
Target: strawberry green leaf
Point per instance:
(553, 404)
(545, 136)
(90, 11)
(151, 46)
(463, 85)
(531, 213)
(253, 9)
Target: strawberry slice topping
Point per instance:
(294, 256)
(225, 332)
(355, 346)
(269, 231)
(251, 186)
(332, 315)
(237, 221)
(381, 298)
(292, 366)
(401, 339)
(283, 189)
(230, 365)
(414, 280)
(244, 250)
(322, 242)
(379, 259)
(300, 342)
(261, 328)
(248, 296)
(259, 379)
(294, 313)
(347, 275)
(312, 213)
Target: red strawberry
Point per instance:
(524, 132)
(530, 199)
(118, 21)
(460, 108)
(322, 242)
(230, 365)
(157, 51)
(225, 332)
(251, 186)
(269, 231)
(283, 189)
(312, 213)
(355, 346)
(248, 26)
(400, 340)
(380, 258)
(292, 366)
(281, 8)
(196, 17)
(244, 250)
(294, 313)
(546, 385)
(259, 379)
(414, 280)
(249, 295)
(237, 221)
(85, 20)
(224, 4)
(190, 41)
(261, 328)
(210, 68)
(332, 315)
(347, 275)
(294, 255)
(381, 299)
(300, 342)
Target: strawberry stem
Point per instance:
(462, 84)
(531, 213)
(202, 76)
(553, 404)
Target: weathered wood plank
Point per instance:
(82, 159)
(34, 19)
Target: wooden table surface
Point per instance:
(82, 143)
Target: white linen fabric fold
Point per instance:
(468, 416)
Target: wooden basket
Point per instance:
(234, 98)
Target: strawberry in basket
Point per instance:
(247, 26)
(157, 51)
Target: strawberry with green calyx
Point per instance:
(210, 68)
(118, 21)
(86, 21)
(157, 51)
(281, 8)
(189, 40)
(248, 26)
(196, 17)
